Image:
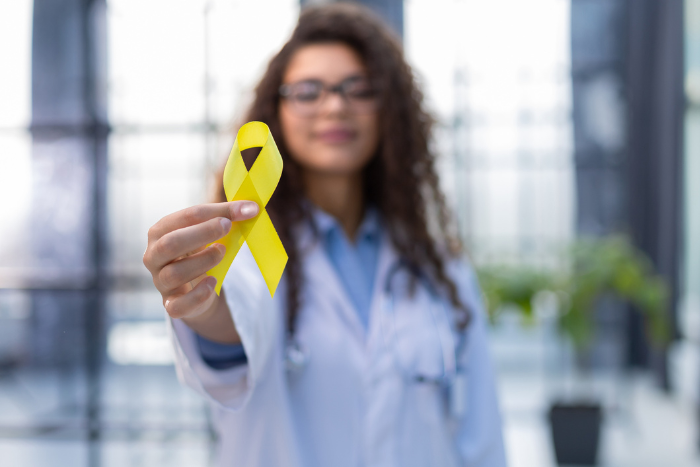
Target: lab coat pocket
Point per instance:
(425, 351)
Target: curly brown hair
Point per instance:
(403, 160)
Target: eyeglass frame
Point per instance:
(285, 91)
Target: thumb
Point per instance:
(243, 210)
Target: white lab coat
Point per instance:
(352, 405)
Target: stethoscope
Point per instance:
(452, 376)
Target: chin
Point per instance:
(338, 163)
(336, 169)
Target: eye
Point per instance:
(306, 91)
(359, 88)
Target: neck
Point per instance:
(341, 196)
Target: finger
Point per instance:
(234, 210)
(193, 302)
(181, 272)
(182, 242)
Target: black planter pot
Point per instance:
(575, 432)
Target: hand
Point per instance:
(177, 257)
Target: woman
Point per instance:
(373, 350)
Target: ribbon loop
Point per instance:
(257, 185)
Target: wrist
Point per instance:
(205, 316)
(215, 324)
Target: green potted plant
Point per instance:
(596, 268)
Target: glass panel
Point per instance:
(238, 50)
(15, 193)
(686, 351)
(15, 61)
(156, 53)
(151, 175)
(506, 110)
(42, 390)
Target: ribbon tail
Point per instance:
(233, 242)
(267, 249)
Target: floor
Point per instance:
(642, 427)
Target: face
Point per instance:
(331, 135)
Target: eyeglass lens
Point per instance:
(307, 96)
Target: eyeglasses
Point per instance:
(307, 96)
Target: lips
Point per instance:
(336, 135)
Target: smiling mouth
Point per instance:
(336, 136)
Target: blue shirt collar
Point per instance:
(370, 227)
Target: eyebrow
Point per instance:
(353, 76)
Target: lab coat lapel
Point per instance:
(321, 273)
(387, 258)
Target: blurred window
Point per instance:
(15, 142)
(497, 75)
(15, 53)
(690, 304)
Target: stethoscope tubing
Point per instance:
(450, 349)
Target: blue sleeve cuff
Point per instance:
(221, 356)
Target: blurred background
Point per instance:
(558, 120)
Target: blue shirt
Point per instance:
(354, 262)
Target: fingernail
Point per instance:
(220, 247)
(225, 223)
(211, 282)
(166, 304)
(249, 209)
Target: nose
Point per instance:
(334, 103)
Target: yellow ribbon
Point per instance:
(257, 185)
